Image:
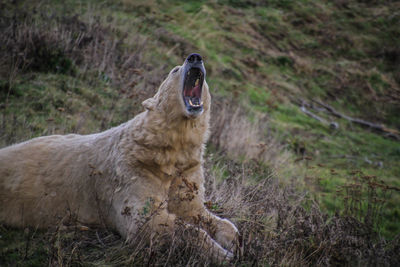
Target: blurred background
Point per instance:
(306, 97)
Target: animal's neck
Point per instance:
(177, 132)
(170, 145)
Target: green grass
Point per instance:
(263, 55)
(22, 248)
(335, 153)
(54, 103)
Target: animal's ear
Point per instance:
(149, 103)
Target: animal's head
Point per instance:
(184, 92)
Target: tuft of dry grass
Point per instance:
(233, 134)
(61, 43)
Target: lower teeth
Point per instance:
(195, 105)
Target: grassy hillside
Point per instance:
(84, 66)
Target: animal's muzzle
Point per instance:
(194, 59)
(194, 75)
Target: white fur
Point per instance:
(152, 162)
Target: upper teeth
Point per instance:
(197, 82)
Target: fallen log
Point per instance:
(332, 124)
(381, 128)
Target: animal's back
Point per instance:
(38, 180)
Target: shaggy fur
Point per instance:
(149, 167)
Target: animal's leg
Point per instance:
(186, 200)
(222, 230)
(164, 223)
(209, 244)
(226, 233)
(161, 224)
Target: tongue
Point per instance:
(193, 92)
(196, 91)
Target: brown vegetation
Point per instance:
(233, 134)
(278, 227)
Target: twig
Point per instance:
(98, 238)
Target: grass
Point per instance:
(334, 153)
(96, 62)
(278, 227)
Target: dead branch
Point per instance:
(331, 124)
(312, 115)
(381, 128)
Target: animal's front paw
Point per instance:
(227, 235)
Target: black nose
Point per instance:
(194, 58)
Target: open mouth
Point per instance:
(192, 89)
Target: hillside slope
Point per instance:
(73, 66)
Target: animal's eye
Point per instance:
(175, 70)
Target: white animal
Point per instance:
(150, 164)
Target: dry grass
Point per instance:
(44, 43)
(275, 225)
(279, 226)
(233, 134)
